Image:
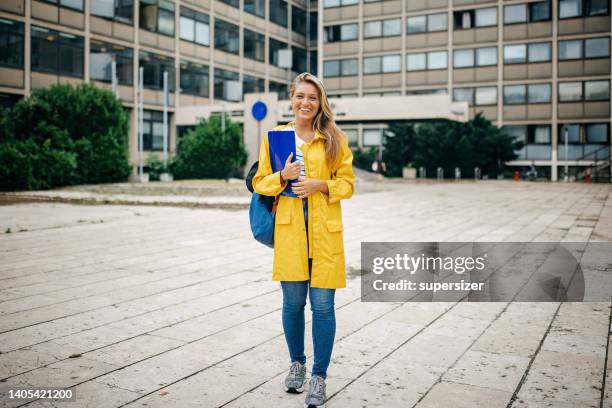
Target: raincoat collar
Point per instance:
(318, 134)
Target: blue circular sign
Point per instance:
(259, 110)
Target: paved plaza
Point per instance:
(166, 306)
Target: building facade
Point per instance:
(535, 67)
(539, 68)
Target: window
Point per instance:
(348, 67)
(251, 84)
(530, 134)
(514, 94)
(382, 64)
(299, 59)
(539, 93)
(194, 79)
(372, 137)
(101, 58)
(597, 133)
(352, 136)
(56, 52)
(281, 89)
(583, 8)
(73, 4)
(331, 68)
(338, 3)
(345, 32)
(442, 91)
(256, 7)
(486, 56)
(11, 43)
(428, 23)
(589, 48)
(279, 12)
(573, 133)
(521, 53)
(157, 16)
(587, 91)
(463, 95)
(529, 12)
(153, 130)
(313, 34)
(154, 66)
(222, 77)
(275, 47)
(484, 17)
(233, 3)
(117, 10)
(254, 45)
(313, 62)
(194, 26)
(431, 60)
(486, 95)
(532, 93)
(227, 36)
(382, 28)
(416, 62)
(463, 58)
(9, 100)
(298, 20)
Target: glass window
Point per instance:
(571, 49)
(570, 8)
(233, 3)
(486, 95)
(57, 53)
(391, 63)
(194, 78)
(516, 13)
(299, 59)
(597, 47)
(464, 19)
(598, 8)
(313, 34)
(101, 57)
(437, 60)
(227, 36)
(331, 68)
(273, 49)
(597, 133)
(279, 12)
(518, 132)
(349, 67)
(416, 62)
(541, 134)
(539, 11)
(539, 93)
(486, 56)
(298, 20)
(352, 135)
(392, 27)
(372, 65)
(254, 45)
(573, 133)
(154, 66)
(372, 137)
(570, 91)
(11, 43)
(348, 32)
(222, 77)
(515, 54)
(486, 17)
(437, 22)
(372, 29)
(194, 26)
(157, 16)
(153, 134)
(514, 94)
(597, 90)
(331, 3)
(256, 7)
(463, 58)
(416, 24)
(251, 84)
(539, 52)
(464, 95)
(118, 10)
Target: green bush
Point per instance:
(156, 167)
(208, 152)
(63, 135)
(363, 158)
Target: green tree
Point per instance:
(363, 158)
(475, 143)
(209, 152)
(63, 135)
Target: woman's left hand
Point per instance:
(306, 186)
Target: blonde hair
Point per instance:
(324, 119)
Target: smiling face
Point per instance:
(305, 102)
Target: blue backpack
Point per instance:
(261, 212)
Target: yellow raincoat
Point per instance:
(325, 245)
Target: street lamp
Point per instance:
(565, 134)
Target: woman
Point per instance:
(308, 246)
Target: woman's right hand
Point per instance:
(291, 170)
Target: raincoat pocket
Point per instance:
(334, 227)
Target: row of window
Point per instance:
(577, 133)
(62, 53)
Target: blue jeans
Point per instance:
(323, 320)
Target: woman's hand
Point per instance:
(306, 186)
(291, 170)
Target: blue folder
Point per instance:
(282, 143)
